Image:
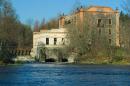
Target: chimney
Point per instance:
(61, 21)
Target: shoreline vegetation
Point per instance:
(124, 64)
(82, 62)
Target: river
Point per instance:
(64, 75)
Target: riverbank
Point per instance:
(123, 62)
(104, 60)
(94, 61)
(62, 63)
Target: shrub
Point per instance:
(117, 58)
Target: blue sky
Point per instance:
(31, 10)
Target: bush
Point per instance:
(119, 55)
(117, 58)
(5, 56)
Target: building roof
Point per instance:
(100, 9)
(60, 30)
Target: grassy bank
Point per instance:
(6, 62)
(85, 60)
(104, 60)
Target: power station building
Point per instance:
(104, 19)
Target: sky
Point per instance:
(29, 11)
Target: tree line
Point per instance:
(13, 33)
(11, 29)
(43, 25)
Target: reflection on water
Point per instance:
(64, 75)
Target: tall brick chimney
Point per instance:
(81, 12)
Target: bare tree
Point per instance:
(126, 6)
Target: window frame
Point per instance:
(110, 31)
(99, 24)
(55, 41)
(63, 41)
(47, 41)
(110, 41)
(109, 21)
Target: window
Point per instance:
(109, 31)
(68, 22)
(99, 30)
(109, 41)
(63, 41)
(55, 41)
(99, 22)
(47, 41)
(110, 21)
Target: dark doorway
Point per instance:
(64, 60)
(50, 60)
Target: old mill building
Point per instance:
(104, 19)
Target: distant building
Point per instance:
(50, 39)
(101, 18)
(104, 19)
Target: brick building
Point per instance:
(104, 19)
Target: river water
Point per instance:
(64, 75)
